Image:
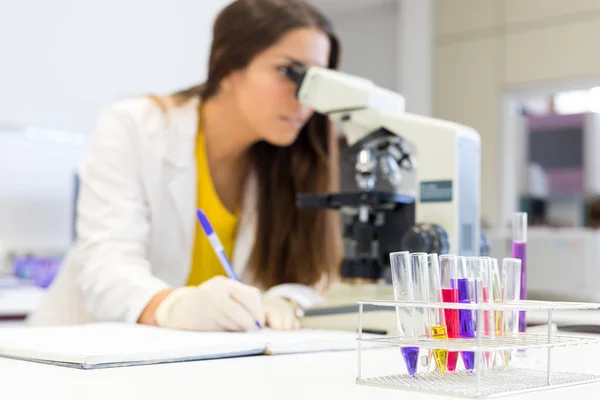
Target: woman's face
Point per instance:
(266, 97)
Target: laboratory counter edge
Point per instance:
(325, 375)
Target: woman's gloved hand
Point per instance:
(280, 313)
(219, 304)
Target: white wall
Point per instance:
(369, 36)
(61, 61)
(415, 54)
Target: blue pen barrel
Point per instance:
(204, 223)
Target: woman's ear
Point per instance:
(226, 83)
(232, 80)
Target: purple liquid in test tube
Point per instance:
(519, 251)
(404, 290)
(411, 359)
(467, 329)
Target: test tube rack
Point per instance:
(481, 382)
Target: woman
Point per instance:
(240, 147)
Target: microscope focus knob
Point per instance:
(426, 238)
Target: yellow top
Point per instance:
(205, 263)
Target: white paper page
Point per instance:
(122, 343)
(116, 343)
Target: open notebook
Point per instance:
(102, 345)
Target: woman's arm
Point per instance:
(113, 227)
(148, 316)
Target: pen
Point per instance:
(217, 246)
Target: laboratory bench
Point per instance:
(18, 298)
(329, 375)
(326, 375)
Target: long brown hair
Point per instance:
(293, 245)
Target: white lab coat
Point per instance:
(136, 218)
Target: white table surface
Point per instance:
(19, 301)
(290, 377)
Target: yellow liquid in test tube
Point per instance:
(503, 355)
(439, 332)
(498, 321)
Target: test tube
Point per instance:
(497, 298)
(484, 275)
(403, 284)
(420, 273)
(461, 266)
(511, 282)
(448, 278)
(467, 328)
(519, 251)
(497, 293)
(437, 321)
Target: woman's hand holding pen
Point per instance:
(223, 304)
(219, 304)
(278, 313)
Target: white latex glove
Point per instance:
(280, 314)
(219, 304)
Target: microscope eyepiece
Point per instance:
(295, 73)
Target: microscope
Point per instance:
(416, 188)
